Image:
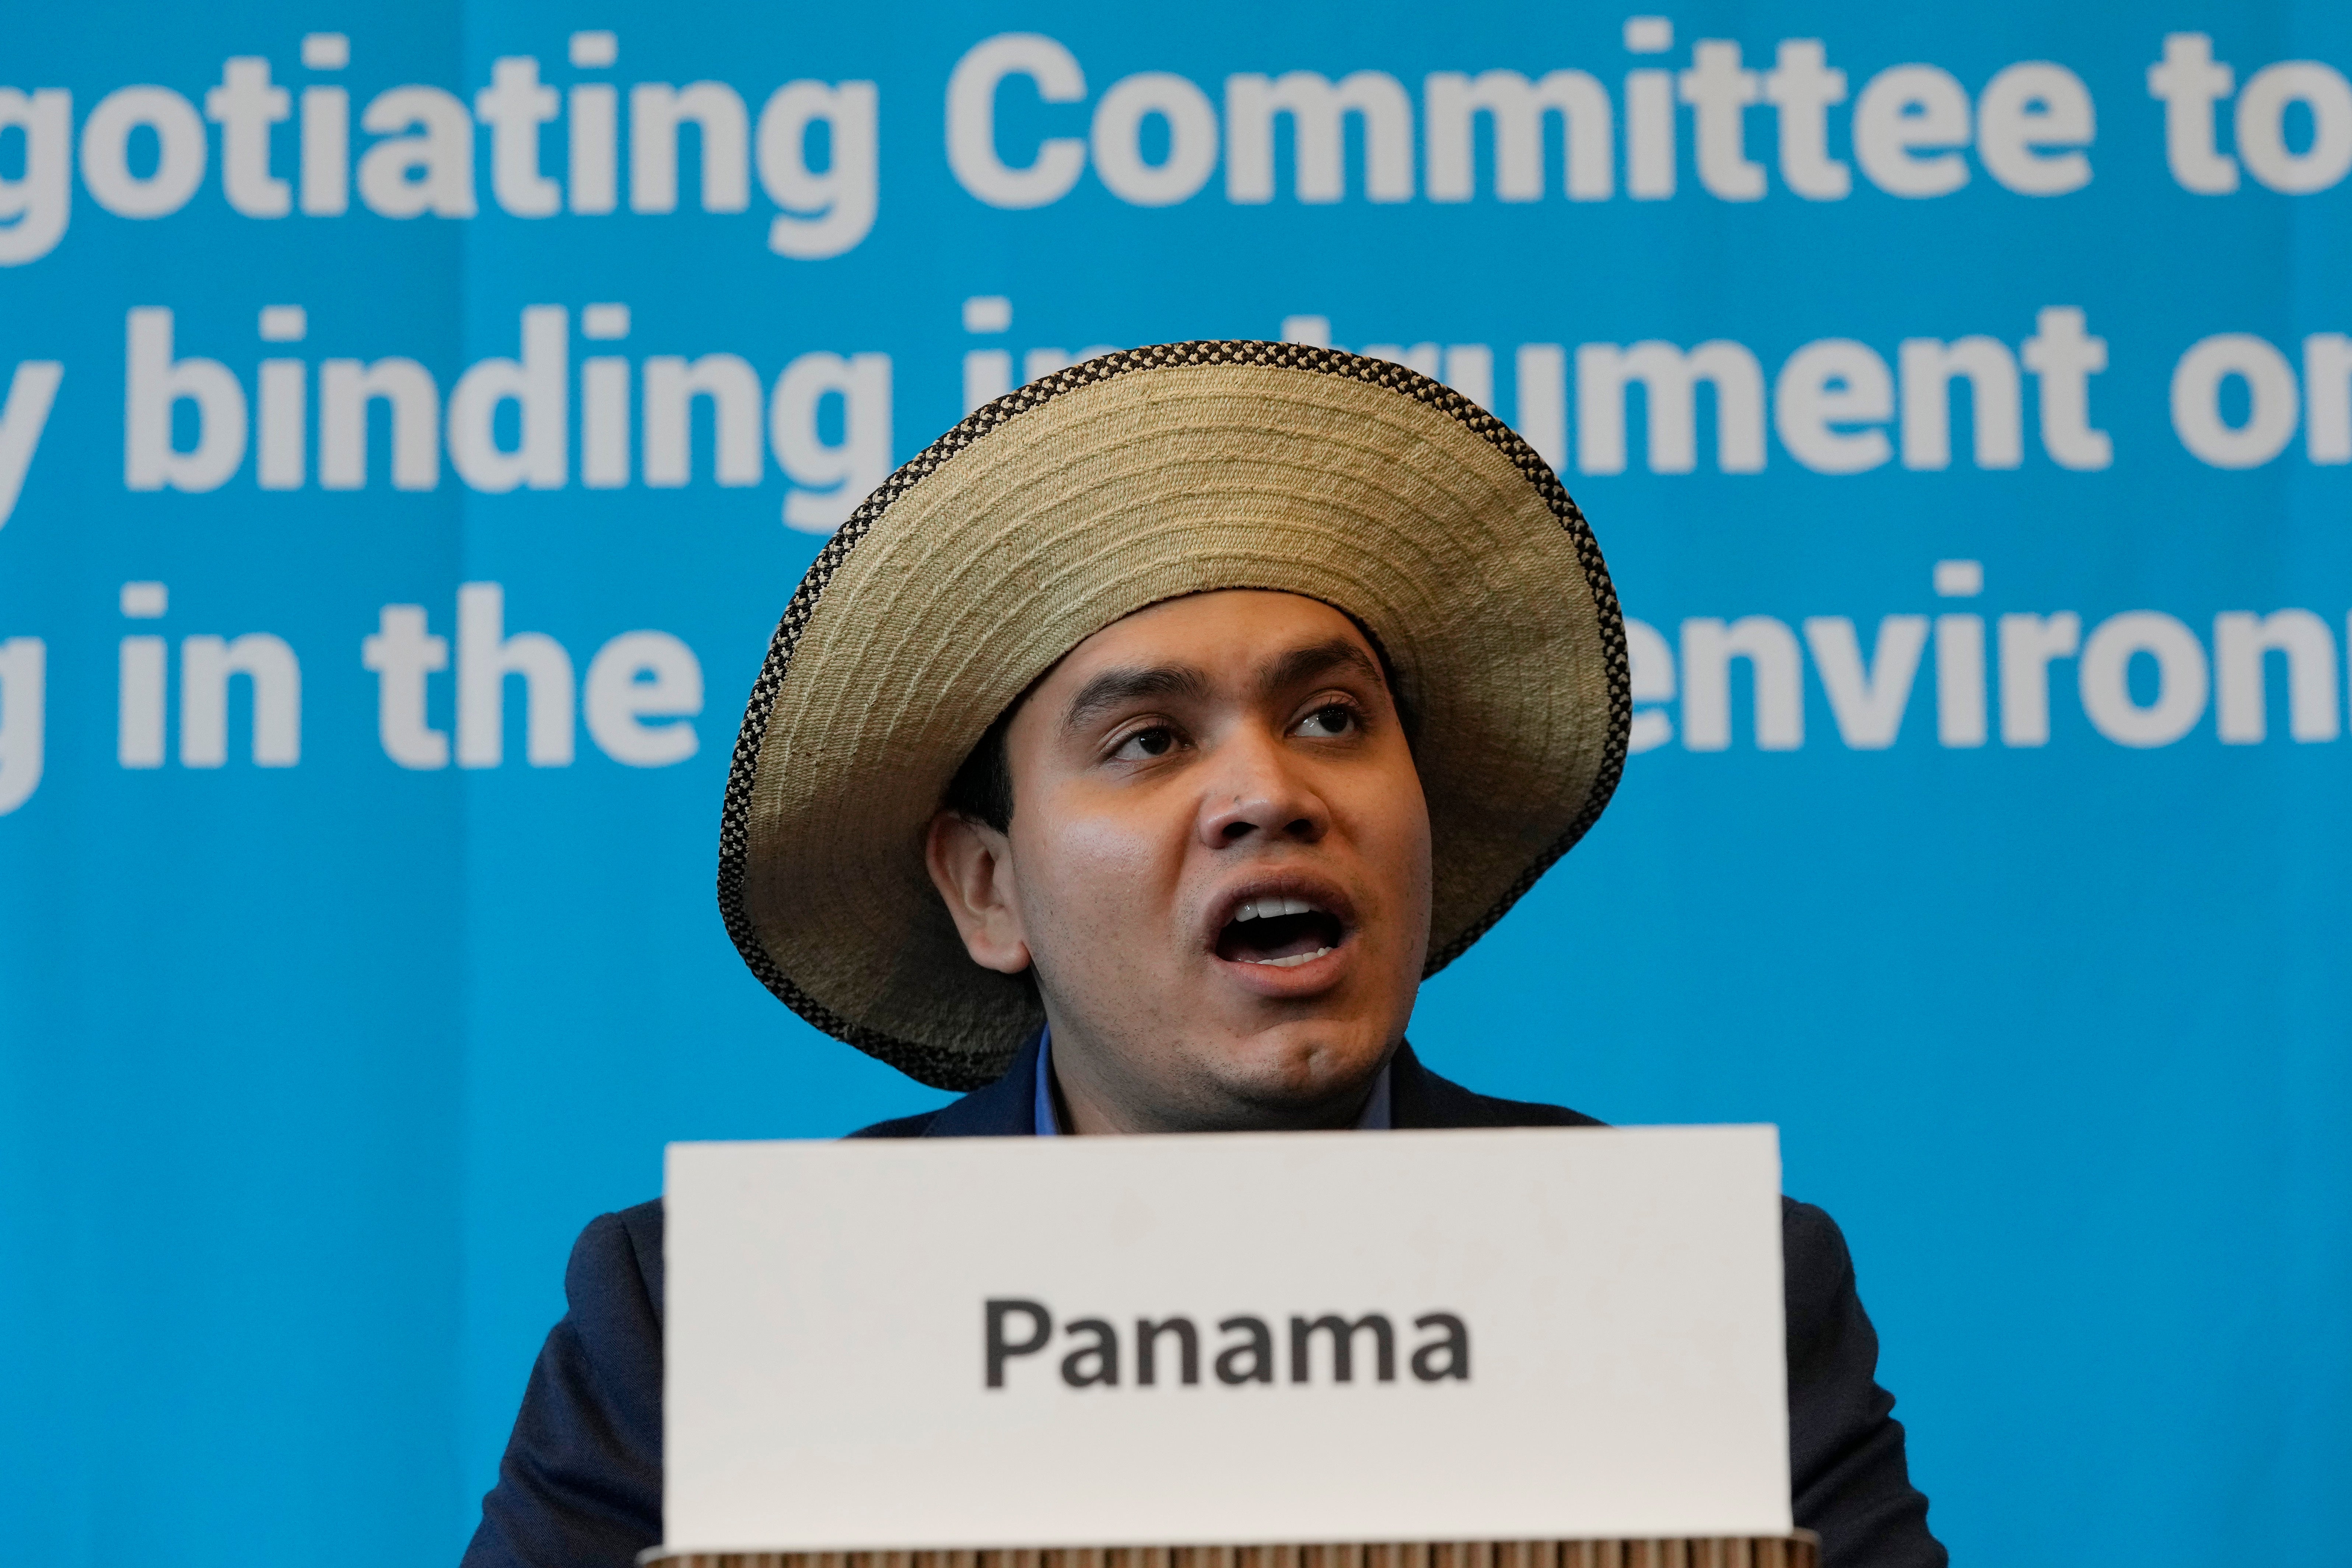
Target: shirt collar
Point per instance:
(1378, 1110)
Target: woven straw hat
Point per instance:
(1120, 483)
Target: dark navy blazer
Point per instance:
(581, 1483)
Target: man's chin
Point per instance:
(1297, 1070)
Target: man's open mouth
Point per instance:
(1279, 930)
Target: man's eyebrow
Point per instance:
(1117, 687)
(1301, 665)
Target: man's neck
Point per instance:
(1071, 1099)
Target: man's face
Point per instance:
(1218, 865)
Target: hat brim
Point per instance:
(1120, 483)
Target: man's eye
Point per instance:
(1328, 723)
(1156, 742)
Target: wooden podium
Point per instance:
(1799, 1549)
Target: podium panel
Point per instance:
(1498, 1335)
(1799, 1549)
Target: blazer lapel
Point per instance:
(1418, 1098)
(1005, 1109)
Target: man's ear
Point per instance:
(971, 865)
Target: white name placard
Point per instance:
(1014, 1341)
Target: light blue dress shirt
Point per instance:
(1375, 1119)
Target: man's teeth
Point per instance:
(1270, 905)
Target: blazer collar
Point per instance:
(1005, 1109)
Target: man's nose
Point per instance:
(1257, 793)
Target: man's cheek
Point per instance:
(1118, 861)
(1110, 890)
(1393, 838)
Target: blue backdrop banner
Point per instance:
(416, 416)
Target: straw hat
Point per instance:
(1120, 483)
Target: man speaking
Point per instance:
(1128, 759)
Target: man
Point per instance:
(1128, 759)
